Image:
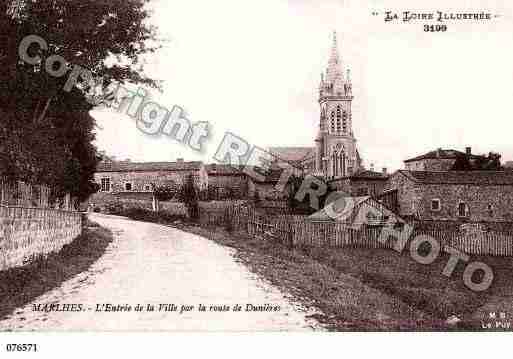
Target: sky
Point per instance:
(253, 68)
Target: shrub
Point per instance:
(165, 193)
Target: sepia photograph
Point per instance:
(173, 166)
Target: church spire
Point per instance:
(334, 70)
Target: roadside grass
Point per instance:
(345, 302)
(361, 288)
(371, 289)
(19, 286)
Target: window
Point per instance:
(462, 209)
(128, 186)
(332, 121)
(344, 121)
(147, 187)
(490, 209)
(105, 184)
(338, 119)
(436, 205)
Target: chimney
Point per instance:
(372, 167)
(179, 160)
(385, 170)
(439, 152)
(468, 151)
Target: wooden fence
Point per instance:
(296, 230)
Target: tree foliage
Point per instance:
(165, 193)
(46, 133)
(491, 162)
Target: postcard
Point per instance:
(255, 166)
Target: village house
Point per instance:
(439, 160)
(136, 180)
(454, 195)
(223, 180)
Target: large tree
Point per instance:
(46, 133)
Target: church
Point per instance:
(335, 154)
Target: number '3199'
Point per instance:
(435, 28)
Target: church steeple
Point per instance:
(334, 70)
(336, 153)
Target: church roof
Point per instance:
(292, 154)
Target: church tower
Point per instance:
(336, 154)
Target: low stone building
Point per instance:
(223, 180)
(439, 160)
(363, 183)
(454, 195)
(133, 180)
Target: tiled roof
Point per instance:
(364, 174)
(440, 154)
(480, 178)
(292, 154)
(224, 170)
(367, 174)
(125, 166)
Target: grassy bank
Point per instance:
(372, 289)
(365, 289)
(20, 286)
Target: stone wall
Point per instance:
(485, 203)
(140, 180)
(488, 203)
(407, 193)
(26, 233)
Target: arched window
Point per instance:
(334, 164)
(463, 210)
(338, 119)
(332, 121)
(344, 121)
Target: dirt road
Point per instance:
(149, 264)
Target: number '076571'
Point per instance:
(21, 347)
